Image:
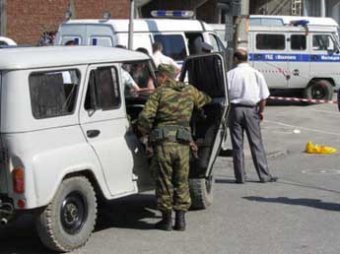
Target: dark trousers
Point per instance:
(244, 118)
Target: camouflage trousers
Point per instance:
(171, 171)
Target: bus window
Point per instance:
(298, 42)
(323, 42)
(270, 41)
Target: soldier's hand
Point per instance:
(194, 149)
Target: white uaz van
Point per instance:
(300, 53)
(66, 139)
(296, 56)
(179, 37)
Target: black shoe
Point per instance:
(271, 179)
(239, 182)
(180, 221)
(165, 223)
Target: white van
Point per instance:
(5, 41)
(178, 36)
(293, 56)
(69, 142)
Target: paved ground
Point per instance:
(298, 215)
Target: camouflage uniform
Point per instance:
(169, 110)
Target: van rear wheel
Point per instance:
(319, 90)
(201, 192)
(68, 221)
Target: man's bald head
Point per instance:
(241, 55)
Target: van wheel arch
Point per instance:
(319, 89)
(94, 182)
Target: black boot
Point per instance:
(166, 222)
(180, 221)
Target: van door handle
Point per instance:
(92, 133)
(296, 72)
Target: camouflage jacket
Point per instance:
(171, 104)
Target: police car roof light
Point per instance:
(172, 14)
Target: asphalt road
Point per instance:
(300, 214)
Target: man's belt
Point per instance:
(235, 105)
(170, 133)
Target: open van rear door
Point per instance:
(206, 73)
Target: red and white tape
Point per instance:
(302, 100)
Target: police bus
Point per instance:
(292, 52)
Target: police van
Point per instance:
(180, 37)
(299, 53)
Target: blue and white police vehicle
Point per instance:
(179, 34)
(293, 52)
(296, 53)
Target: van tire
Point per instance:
(54, 225)
(201, 192)
(319, 89)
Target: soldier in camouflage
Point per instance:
(166, 119)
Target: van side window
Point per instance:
(298, 42)
(103, 89)
(270, 41)
(53, 93)
(323, 42)
(173, 45)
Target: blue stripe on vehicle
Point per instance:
(267, 57)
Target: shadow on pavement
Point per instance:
(127, 212)
(20, 237)
(232, 181)
(315, 203)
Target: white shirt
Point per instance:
(159, 58)
(127, 79)
(246, 85)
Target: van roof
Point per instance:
(57, 56)
(147, 25)
(313, 21)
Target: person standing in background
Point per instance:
(248, 92)
(159, 58)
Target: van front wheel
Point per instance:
(68, 221)
(319, 90)
(201, 192)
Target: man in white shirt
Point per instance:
(248, 92)
(159, 58)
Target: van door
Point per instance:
(270, 58)
(75, 33)
(100, 35)
(324, 58)
(104, 124)
(299, 64)
(206, 73)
